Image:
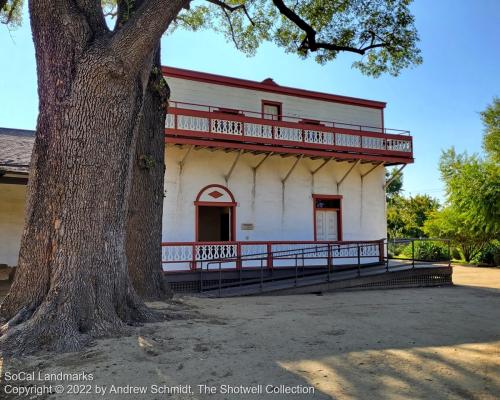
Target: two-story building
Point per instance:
(253, 167)
(271, 167)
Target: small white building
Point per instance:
(255, 167)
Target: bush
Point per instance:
(490, 255)
(396, 248)
(455, 253)
(427, 250)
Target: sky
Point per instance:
(438, 101)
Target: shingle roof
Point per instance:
(15, 149)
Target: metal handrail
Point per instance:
(289, 253)
(302, 253)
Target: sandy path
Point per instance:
(431, 343)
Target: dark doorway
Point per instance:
(214, 224)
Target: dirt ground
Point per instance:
(429, 343)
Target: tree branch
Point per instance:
(310, 43)
(138, 37)
(227, 7)
(92, 10)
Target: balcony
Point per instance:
(216, 127)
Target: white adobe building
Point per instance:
(255, 167)
(258, 162)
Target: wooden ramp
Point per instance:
(376, 277)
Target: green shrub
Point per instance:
(490, 255)
(427, 250)
(455, 253)
(396, 248)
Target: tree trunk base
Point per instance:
(53, 328)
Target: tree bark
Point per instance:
(144, 226)
(72, 282)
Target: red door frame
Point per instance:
(339, 212)
(232, 205)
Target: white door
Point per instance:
(326, 225)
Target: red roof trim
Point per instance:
(266, 87)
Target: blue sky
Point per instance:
(438, 101)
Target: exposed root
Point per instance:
(52, 329)
(36, 335)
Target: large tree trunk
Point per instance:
(72, 281)
(144, 227)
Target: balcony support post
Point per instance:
(321, 166)
(372, 169)
(347, 174)
(394, 176)
(292, 168)
(262, 161)
(228, 175)
(184, 158)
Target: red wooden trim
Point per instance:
(230, 111)
(406, 158)
(253, 85)
(311, 122)
(262, 242)
(214, 204)
(232, 205)
(288, 143)
(215, 185)
(328, 196)
(339, 212)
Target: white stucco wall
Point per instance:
(278, 212)
(12, 201)
(251, 100)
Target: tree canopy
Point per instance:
(491, 138)
(10, 11)
(382, 32)
(471, 216)
(406, 216)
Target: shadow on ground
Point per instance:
(430, 343)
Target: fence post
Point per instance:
(238, 255)
(359, 261)
(220, 277)
(296, 264)
(449, 254)
(303, 263)
(201, 278)
(193, 258)
(329, 261)
(269, 256)
(261, 274)
(381, 251)
(387, 255)
(413, 253)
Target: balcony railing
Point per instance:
(209, 122)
